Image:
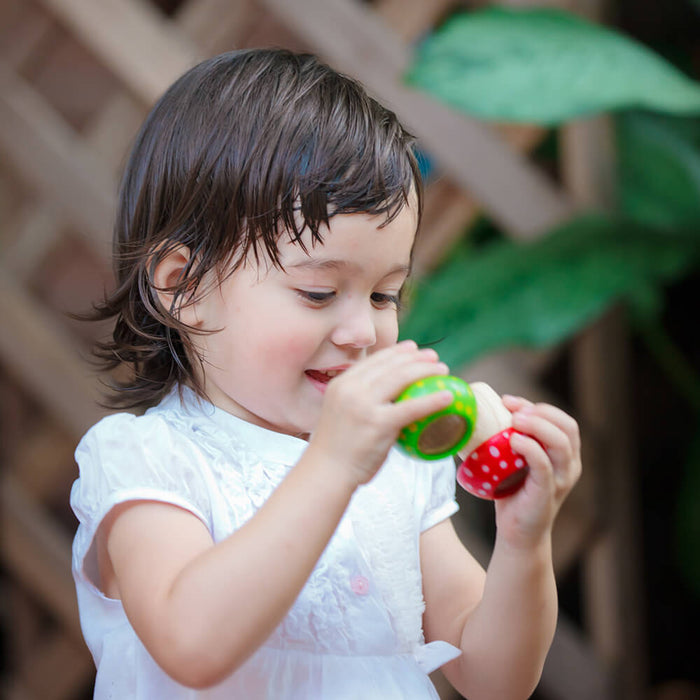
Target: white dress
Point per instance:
(355, 631)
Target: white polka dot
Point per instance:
(473, 455)
(468, 472)
(495, 478)
(503, 464)
(481, 492)
(486, 485)
(494, 451)
(485, 469)
(519, 463)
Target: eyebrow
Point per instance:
(333, 264)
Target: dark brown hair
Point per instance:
(242, 147)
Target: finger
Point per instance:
(563, 421)
(541, 471)
(392, 373)
(515, 403)
(549, 435)
(396, 379)
(412, 410)
(401, 353)
(555, 416)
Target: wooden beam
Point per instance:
(35, 228)
(447, 213)
(113, 129)
(51, 157)
(25, 34)
(59, 669)
(43, 461)
(218, 25)
(450, 210)
(37, 551)
(137, 42)
(613, 572)
(412, 18)
(350, 36)
(573, 670)
(38, 351)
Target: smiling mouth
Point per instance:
(324, 376)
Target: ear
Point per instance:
(167, 275)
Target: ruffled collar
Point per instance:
(200, 413)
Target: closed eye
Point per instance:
(313, 297)
(382, 300)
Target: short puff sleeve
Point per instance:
(126, 458)
(440, 502)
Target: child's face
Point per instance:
(284, 334)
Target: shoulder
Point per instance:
(162, 429)
(128, 457)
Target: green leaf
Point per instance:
(540, 293)
(659, 168)
(544, 66)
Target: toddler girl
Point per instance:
(254, 534)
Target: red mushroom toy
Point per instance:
(491, 469)
(476, 424)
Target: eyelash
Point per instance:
(315, 297)
(386, 299)
(320, 298)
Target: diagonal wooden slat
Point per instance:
(354, 39)
(59, 669)
(50, 156)
(37, 350)
(411, 18)
(218, 25)
(37, 551)
(140, 45)
(25, 33)
(449, 209)
(573, 670)
(33, 231)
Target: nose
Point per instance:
(355, 328)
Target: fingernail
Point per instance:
(520, 419)
(517, 439)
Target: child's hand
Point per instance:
(551, 445)
(359, 420)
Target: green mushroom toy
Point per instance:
(445, 432)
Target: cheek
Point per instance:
(285, 345)
(387, 332)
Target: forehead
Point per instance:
(354, 242)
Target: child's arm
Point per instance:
(202, 608)
(504, 620)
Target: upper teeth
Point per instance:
(332, 372)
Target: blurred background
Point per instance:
(558, 259)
